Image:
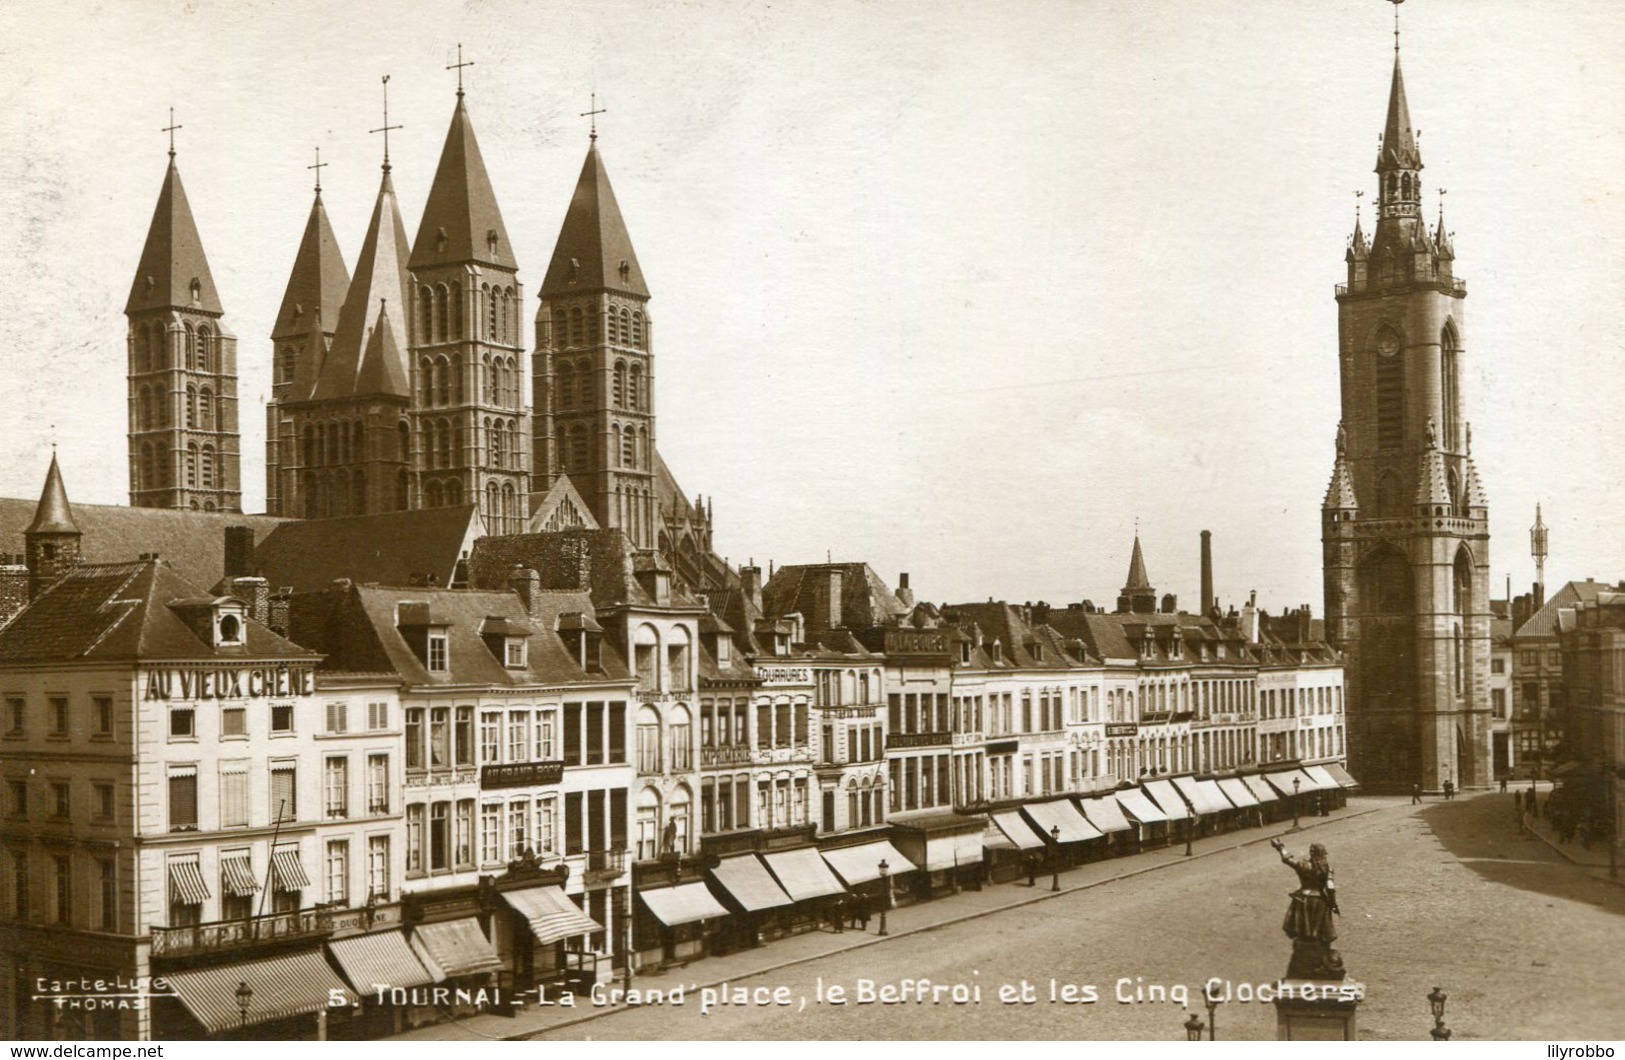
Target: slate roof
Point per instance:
(124, 611)
(1017, 637)
(172, 256)
(593, 241)
(358, 629)
(390, 548)
(462, 212)
(1137, 578)
(53, 516)
(316, 283)
(193, 542)
(1543, 623)
(380, 283)
(866, 601)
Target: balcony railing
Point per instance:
(900, 741)
(605, 864)
(735, 754)
(230, 934)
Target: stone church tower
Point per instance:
(1405, 524)
(592, 374)
(182, 369)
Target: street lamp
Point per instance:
(1212, 1014)
(1296, 783)
(885, 895)
(1436, 1000)
(1193, 1028)
(1188, 830)
(245, 996)
(1055, 858)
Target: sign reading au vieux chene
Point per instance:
(250, 683)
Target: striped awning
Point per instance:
(1237, 792)
(237, 877)
(186, 882)
(551, 915)
(1060, 820)
(683, 904)
(1341, 775)
(1142, 809)
(803, 874)
(1322, 777)
(1105, 814)
(860, 864)
(381, 960)
(1282, 781)
(287, 872)
(1261, 789)
(1016, 829)
(455, 947)
(1169, 801)
(746, 879)
(291, 985)
(1203, 795)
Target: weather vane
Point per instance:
(593, 114)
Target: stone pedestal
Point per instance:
(1317, 1011)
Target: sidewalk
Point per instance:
(535, 1020)
(1596, 858)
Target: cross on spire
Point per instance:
(458, 66)
(1358, 195)
(318, 167)
(593, 114)
(384, 128)
(170, 129)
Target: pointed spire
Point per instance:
(1137, 578)
(594, 251)
(1340, 491)
(383, 369)
(461, 220)
(173, 271)
(317, 282)
(53, 516)
(1476, 497)
(380, 274)
(1399, 149)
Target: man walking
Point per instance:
(1416, 794)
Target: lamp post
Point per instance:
(1212, 1014)
(245, 997)
(1188, 831)
(1296, 782)
(1055, 858)
(1193, 1028)
(885, 893)
(1436, 1000)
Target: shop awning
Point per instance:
(1282, 781)
(1017, 830)
(946, 851)
(287, 872)
(1341, 775)
(552, 916)
(186, 881)
(1137, 806)
(860, 864)
(1061, 816)
(381, 960)
(745, 878)
(1105, 814)
(803, 874)
(1322, 777)
(1261, 789)
(1236, 791)
(291, 985)
(237, 877)
(1167, 799)
(1204, 795)
(995, 839)
(683, 904)
(456, 947)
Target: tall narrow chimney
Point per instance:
(1208, 603)
(751, 581)
(905, 595)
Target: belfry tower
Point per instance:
(593, 374)
(182, 368)
(1405, 524)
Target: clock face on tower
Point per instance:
(1388, 344)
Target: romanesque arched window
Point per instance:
(619, 400)
(1449, 387)
(454, 322)
(442, 311)
(564, 388)
(584, 384)
(191, 465)
(561, 329)
(203, 359)
(191, 406)
(626, 325)
(637, 330)
(491, 314)
(286, 365)
(634, 389)
(578, 448)
(442, 370)
(426, 313)
(205, 409)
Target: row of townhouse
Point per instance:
(570, 762)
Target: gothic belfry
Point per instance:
(182, 369)
(592, 373)
(469, 422)
(1405, 523)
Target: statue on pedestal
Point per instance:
(1308, 921)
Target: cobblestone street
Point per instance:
(1526, 945)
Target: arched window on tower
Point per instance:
(634, 392)
(1390, 388)
(442, 311)
(426, 314)
(191, 465)
(578, 327)
(564, 388)
(584, 384)
(358, 493)
(442, 373)
(578, 448)
(286, 365)
(203, 359)
(491, 314)
(188, 343)
(592, 326)
(358, 440)
(191, 406)
(1449, 384)
(561, 329)
(149, 468)
(620, 384)
(492, 513)
(454, 322)
(643, 459)
(206, 467)
(432, 496)
(615, 443)
(205, 409)
(443, 453)
(510, 508)
(307, 450)
(637, 329)
(457, 378)
(626, 325)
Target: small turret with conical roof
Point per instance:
(51, 542)
(1137, 597)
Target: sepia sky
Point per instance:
(958, 289)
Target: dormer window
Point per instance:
(438, 661)
(725, 646)
(230, 629)
(514, 653)
(964, 652)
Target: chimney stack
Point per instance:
(1207, 573)
(751, 581)
(528, 584)
(255, 592)
(239, 560)
(905, 595)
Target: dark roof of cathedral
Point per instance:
(193, 542)
(593, 243)
(1399, 150)
(1136, 569)
(173, 256)
(53, 516)
(391, 548)
(380, 281)
(461, 216)
(124, 611)
(317, 282)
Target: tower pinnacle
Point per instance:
(384, 128)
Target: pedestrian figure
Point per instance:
(1517, 803)
(863, 911)
(838, 911)
(1503, 783)
(1416, 794)
(1032, 870)
(1449, 789)
(1532, 805)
